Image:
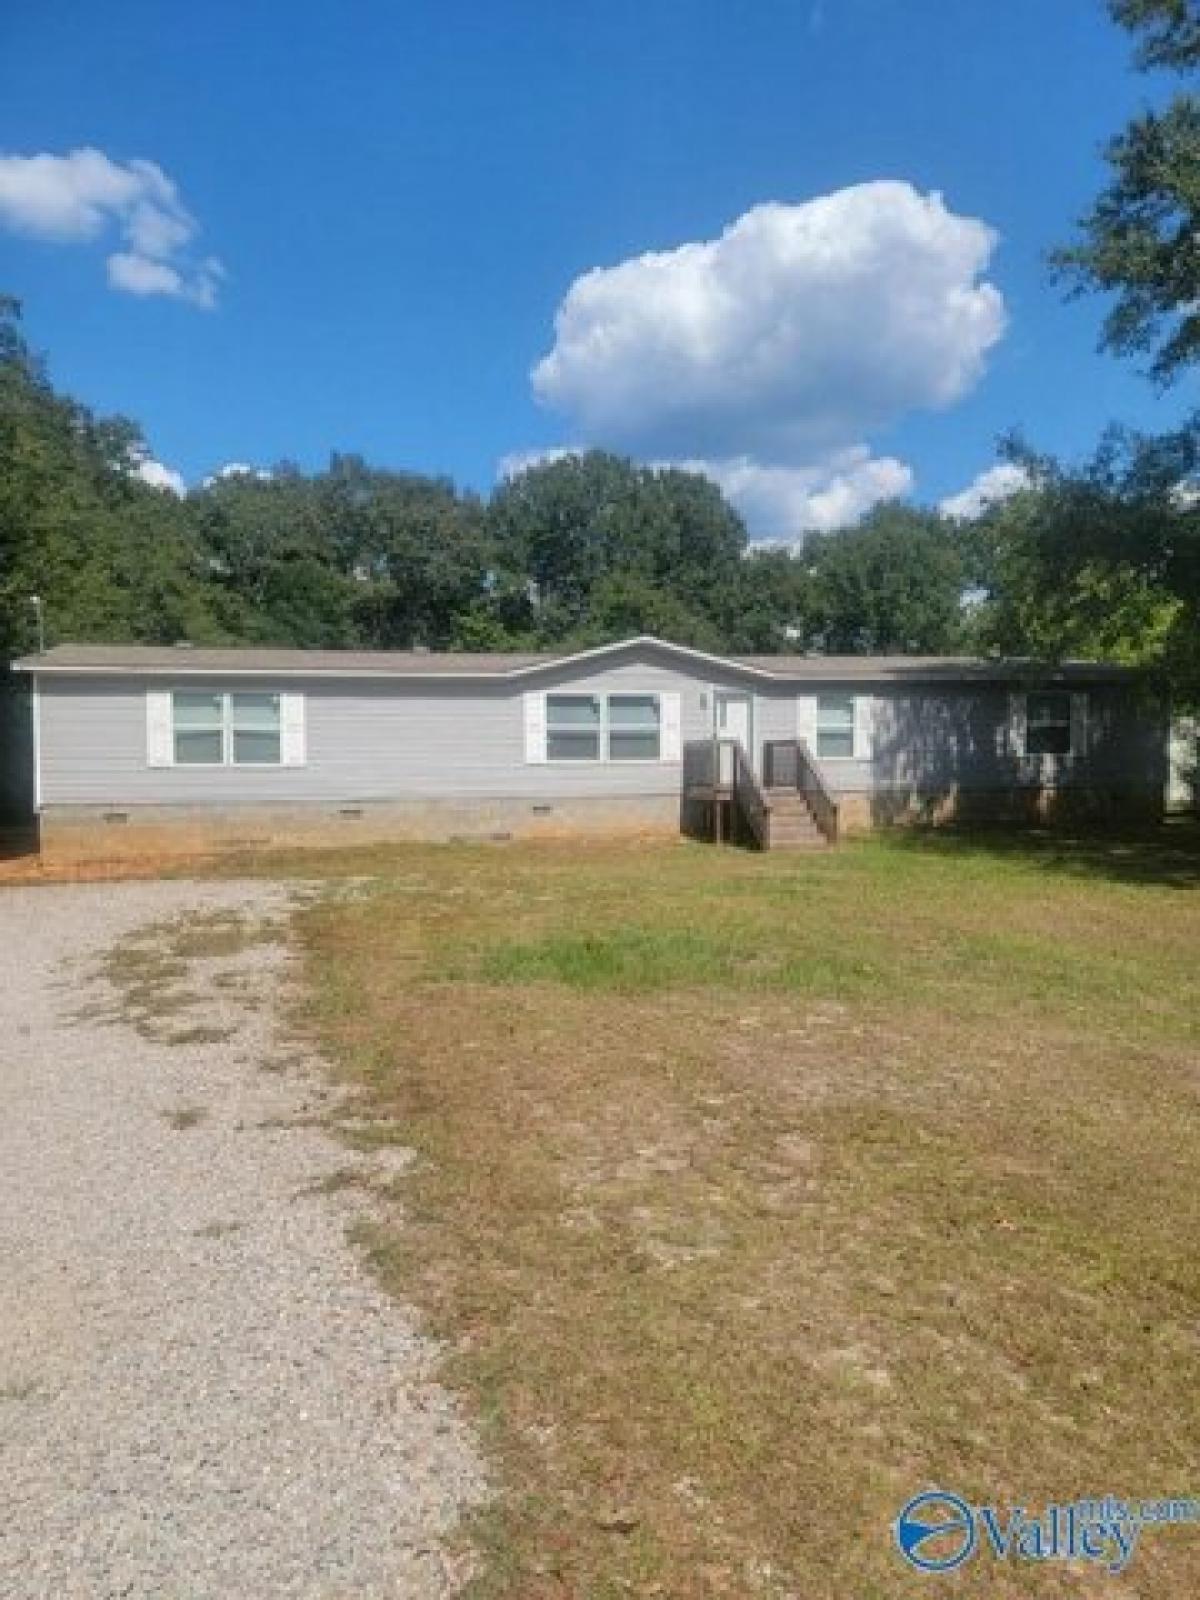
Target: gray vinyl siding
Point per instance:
(365, 741)
(375, 740)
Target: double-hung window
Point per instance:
(604, 727)
(232, 729)
(198, 724)
(573, 727)
(1048, 723)
(634, 727)
(835, 726)
(254, 729)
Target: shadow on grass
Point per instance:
(1166, 856)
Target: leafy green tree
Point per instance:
(1101, 561)
(1139, 240)
(894, 584)
(110, 556)
(353, 555)
(772, 607)
(573, 525)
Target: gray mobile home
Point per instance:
(149, 748)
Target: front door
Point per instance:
(732, 713)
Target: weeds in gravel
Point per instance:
(219, 1230)
(199, 1033)
(162, 972)
(17, 1389)
(185, 1117)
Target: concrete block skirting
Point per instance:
(90, 833)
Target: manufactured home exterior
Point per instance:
(163, 747)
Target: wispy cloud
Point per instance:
(80, 197)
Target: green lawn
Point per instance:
(756, 1193)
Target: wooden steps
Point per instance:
(792, 826)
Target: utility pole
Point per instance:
(39, 611)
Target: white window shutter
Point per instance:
(1017, 723)
(535, 726)
(806, 720)
(293, 738)
(1079, 723)
(671, 743)
(864, 727)
(160, 737)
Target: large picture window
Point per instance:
(835, 726)
(215, 730)
(604, 727)
(573, 727)
(1048, 723)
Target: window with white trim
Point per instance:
(573, 727)
(1048, 723)
(608, 727)
(634, 727)
(239, 729)
(835, 726)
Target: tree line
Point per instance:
(1098, 559)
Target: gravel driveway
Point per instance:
(201, 1392)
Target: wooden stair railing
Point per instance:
(790, 764)
(749, 803)
(718, 778)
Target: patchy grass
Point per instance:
(158, 972)
(753, 1194)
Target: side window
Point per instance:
(835, 726)
(216, 729)
(1048, 723)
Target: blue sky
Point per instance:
(362, 220)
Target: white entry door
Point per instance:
(732, 712)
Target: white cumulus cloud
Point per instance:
(77, 198)
(785, 503)
(994, 484)
(159, 476)
(801, 329)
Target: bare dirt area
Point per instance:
(202, 1393)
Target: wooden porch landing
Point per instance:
(724, 801)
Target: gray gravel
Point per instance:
(202, 1393)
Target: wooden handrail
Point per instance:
(748, 799)
(790, 764)
(699, 764)
(718, 772)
